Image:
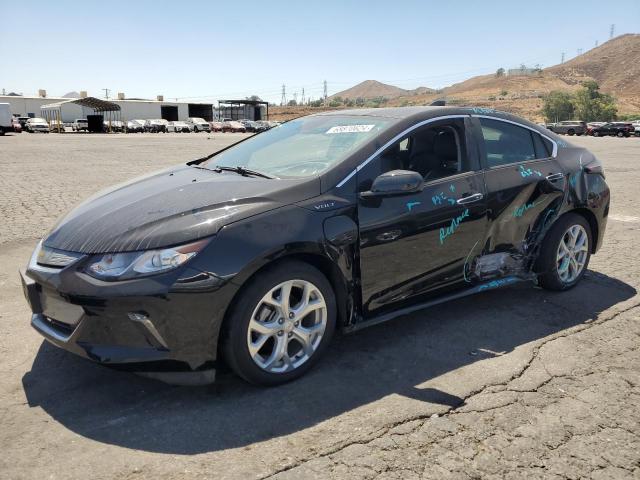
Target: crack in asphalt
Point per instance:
(456, 410)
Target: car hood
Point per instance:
(171, 207)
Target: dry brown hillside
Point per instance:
(374, 89)
(615, 65)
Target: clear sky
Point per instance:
(206, 50)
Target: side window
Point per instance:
(506, 143)
(435, 151)
(541, 146)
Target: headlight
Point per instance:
(127, 265)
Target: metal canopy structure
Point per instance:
(233, 108)
(98, 106)
(110, 111)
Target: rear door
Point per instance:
(524, 182)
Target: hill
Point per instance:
(615, 65)
(373, 89)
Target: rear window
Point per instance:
(506, 143)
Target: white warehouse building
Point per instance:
(24, 106)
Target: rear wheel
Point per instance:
(565, 253)
(281, 325)
(596, 134)
(571, 132)
(620, 134)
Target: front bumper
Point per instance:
(166, 322)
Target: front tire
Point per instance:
(565, 253)
(281, 324)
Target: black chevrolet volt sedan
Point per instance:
(256, 254)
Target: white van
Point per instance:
(6, 119)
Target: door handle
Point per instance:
(554, 177)
(470, 199)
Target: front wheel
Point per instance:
(281, 324)
(565, 253)
(620, 134)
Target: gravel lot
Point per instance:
(515, 383)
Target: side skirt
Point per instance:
(492, 285)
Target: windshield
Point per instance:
(301, 148)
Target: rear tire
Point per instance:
(571, 132)
(560, 265)
(256, 319)
(620, 134)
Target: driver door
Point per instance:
(413, 246)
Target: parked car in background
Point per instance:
(80, 124)
(195, 263)
(617, 129)
(135, 126)
(249, 125)
(57, 126)
(199, 124)
(23, 122)
(155, 125)
(6, 118)
(569, 127)
(233, 126)
(113, 126)
(216, 126)
(178, 127)
(262, 125)
(17, 128)
(37, 124)
(636, 128)
(592, 125)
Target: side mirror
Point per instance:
(395, 182)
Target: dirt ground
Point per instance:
(513, 383)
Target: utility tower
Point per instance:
(612, 30)
(295, 97)
(283, 100)
(579, 51)
(106, 93)
(325, 92)
(562, 58)
(596, 44)
(302, 99)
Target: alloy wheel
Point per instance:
(287, 326)
(572, 253)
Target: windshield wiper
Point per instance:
(242, 171)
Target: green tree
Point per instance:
(558, 106)
(500, 72)
(591, 105)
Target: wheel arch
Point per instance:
(322, 263)
(590, 217)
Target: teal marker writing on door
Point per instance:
(519, 211)
(451, 229)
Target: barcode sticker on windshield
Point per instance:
(350, 129)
